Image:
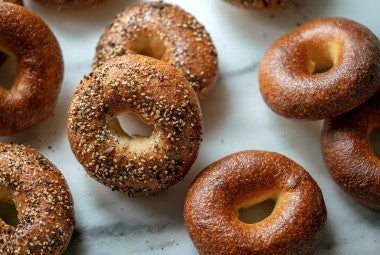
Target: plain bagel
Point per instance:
(39, 72)
(348, 153)
(321, 69)
(3, 57)
(246, 178)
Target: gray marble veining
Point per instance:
(236, 118)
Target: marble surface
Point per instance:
(236, 118)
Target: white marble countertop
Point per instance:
(236, 118)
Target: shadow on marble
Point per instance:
(83, 20)
(284, 19)
(46, 133)
(295, 14)
(124, 238)
(215, 106)
(74, 245)
(122, 219)
(366, 214)
(352, 227)
(310, 131)
(328, 241)
(163, 206)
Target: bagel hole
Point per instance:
(150, 45)
(320, 64)
(133, 126)
(256, 212)
(8, 210)
(323, 68)
(375, 141)
(322, 56)
(8, 213)
(8, 68)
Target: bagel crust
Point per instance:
(39, 73)
(258, 4)
(165, 32)
(162, 98)
(349, 155)
(321, 69)
(3, 57)
(19, 2)
(43, 201)
(246, 178)
(67, 4)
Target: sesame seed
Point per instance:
(27, 174)
(186, 44)
(167, 104)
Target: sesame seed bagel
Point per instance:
(258, 4)
(43, 201)
(162, 98)
(321, 69)
(242, 180)
(349, 155)
(39, 71)
(67, 4)
(165, 32)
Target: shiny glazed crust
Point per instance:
(39, 72)
(67, 4)
(171, 34)
(161, 97)
(43, 201)
(289, 79)
(246, 178)
(348, 152)
(258, 4)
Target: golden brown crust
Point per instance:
(348, 153)
(211, 206)
(3, 56)
(68, 4)
(19, 2)
(43, 201)
(39, 72)
(162, 98)
(292, 86)
(258, 4)
(173, 35)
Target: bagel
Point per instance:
(154, 92)
(19, 2)
(246, 178)
(321, 69)
(67, 4)
(165, 32)
(42, 199)
(3, 57)
(258, 4)
(39, 72)
(348, 153)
